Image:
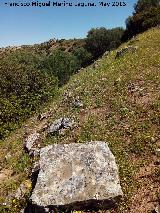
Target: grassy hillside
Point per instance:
(122, 107)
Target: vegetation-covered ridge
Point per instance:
(120, 105)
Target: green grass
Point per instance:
(128, 121)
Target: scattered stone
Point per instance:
(117, 81)
(31, 143)
(44, 115)
(123, 51)
(8, 156)
(95, 65)
(132, 87)
(7, 204)
(77, 176)
(133, 41)
(67, 97)
(77, 102)
(72, 101)
(106, 53)
(59, 125)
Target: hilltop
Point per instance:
(119, 103)
(46, 47)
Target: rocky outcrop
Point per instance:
(124, 50)
(76, 176)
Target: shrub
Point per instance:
(60, 64)
(84, 58)
(23, 88)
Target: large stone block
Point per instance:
(77, 176)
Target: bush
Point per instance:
(23, 88)
(60, 64)
(84, 58)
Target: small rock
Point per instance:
(8, 156)
(67, 97)
(95, 65)
(77, 102)
(44, 115)
(132, 87)
(106, 53)
(55, 126)
(118, 80)
(31, 141)
(60, 124)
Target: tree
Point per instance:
(61, 65)
(146, 15)
(83, 56)
(101, 39)
(145, 5)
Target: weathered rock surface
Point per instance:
(157, 209)
(77, 176)
(60, 124)
(123, 51)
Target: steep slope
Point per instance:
(120, 97)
